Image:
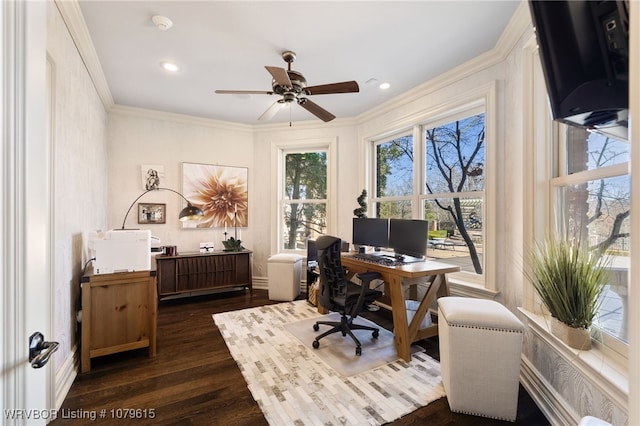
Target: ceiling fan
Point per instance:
(292, 86)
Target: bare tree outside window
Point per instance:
(455, 164)
(595, 210)
(453, 195)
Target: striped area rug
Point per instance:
(293, 386)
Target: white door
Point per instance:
(25, 207)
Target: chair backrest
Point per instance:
(312, 251)
(332, 274)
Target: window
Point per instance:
(454, 191)
(450, 191)
(304, 206)
(592, 201)
(394, 178)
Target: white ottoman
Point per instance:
(480, 350)
(284, 273)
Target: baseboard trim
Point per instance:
(541, 393)
(262, 283)
(65, 376)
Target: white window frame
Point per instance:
(540, 165)
(481, 99)
(464, 111)
(413, 198)
(563, 179)
(279, 150)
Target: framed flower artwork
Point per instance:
(220, 191)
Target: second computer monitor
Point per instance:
(372, 232)
(408, 237)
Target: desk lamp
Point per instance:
(188, 213)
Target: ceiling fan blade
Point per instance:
(279, 75)
(271, 111)
(316, 109)
(243, 92)
(327, 89)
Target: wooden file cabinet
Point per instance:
(118, 314)
(189, 272)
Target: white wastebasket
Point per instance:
(412, 307)
(284, 271)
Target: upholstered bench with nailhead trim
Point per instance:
(480, 350)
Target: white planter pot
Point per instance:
(577, 338)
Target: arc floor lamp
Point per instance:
(188, 213)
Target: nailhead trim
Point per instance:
(506, 330)
(483, 415)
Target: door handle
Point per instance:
(39, 350)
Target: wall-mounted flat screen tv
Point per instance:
(584, 52)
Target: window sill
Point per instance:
(602, 368)
(459, 286)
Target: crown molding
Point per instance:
(228, 125)
(179, 118)
(518, 24)
(77, 27)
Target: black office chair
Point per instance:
(340, 295)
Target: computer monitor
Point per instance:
(373, 232)
(408, 237)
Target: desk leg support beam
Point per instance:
(399, 311)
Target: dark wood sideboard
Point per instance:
(194, 271)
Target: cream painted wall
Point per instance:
(138, 137)
(80, 180)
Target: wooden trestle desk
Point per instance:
(435, 272)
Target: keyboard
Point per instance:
(378, 259)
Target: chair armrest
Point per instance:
(367, 277)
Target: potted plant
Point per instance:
(570, 281)
(362, 202)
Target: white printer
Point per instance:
(125, 250)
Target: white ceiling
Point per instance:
(226, 44)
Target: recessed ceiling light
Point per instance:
(384, 86)
(169, 66)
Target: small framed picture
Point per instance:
(151, 213)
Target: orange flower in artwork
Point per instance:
(220, 191)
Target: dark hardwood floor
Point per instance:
(194, 381)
